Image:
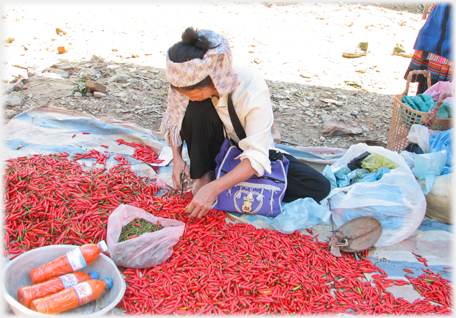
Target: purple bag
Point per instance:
(257, 195)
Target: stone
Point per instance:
(304, 103)
(354, 113)
(98, 95)
(95, 87)
(77, 95)
(332, 101)
(309, 113)
(13, 99)
(89, 74)
(18, 86)
(120, 78)
(341, 127)
(322, 139)
(96, 59)
(58, 72)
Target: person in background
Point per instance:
(201, 75)
(433, 47)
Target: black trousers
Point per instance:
(202, 130)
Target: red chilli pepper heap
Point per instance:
(216, 268)
(142, 152)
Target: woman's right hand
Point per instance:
(179, 165)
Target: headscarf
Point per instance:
(216, 63)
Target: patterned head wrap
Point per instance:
(216, 63)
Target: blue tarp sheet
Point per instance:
(50, 130)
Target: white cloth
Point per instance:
(252, 103)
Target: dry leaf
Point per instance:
(60, 32)
(61, 49)
(9, 40)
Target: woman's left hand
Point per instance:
(202, 202)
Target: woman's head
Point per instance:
(201, 56)
(192, 46)
(201, 62)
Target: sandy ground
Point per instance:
(297, 46)
(301, 43)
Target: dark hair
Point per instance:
(191, 47)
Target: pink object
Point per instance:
(438, 89)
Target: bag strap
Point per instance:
(240, 132)
(274, 155)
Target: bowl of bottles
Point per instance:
(16, 274)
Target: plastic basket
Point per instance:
(404, 117)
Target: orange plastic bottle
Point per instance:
(26, 294)
(72, 297)
(69, 262)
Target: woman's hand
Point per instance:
(202, 201)
(204, 198)
(179, 165)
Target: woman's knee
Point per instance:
(324, 187)
(201, 112)
(201, 119)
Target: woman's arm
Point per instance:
(204, 199)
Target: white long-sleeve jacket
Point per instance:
(252, 103)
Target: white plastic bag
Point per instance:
(419, 135)
(396, 200)
(428, 166)
(148, 249)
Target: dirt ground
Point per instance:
(297, 46)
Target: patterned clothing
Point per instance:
(441, 68)
(433, 48)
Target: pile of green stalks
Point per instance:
(137, 227)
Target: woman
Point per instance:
(433, 48)
(201, 76)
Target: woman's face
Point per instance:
(199, 94)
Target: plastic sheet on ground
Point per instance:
(50, 130)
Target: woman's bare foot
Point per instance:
(205, 179)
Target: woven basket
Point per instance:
(404, 117)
